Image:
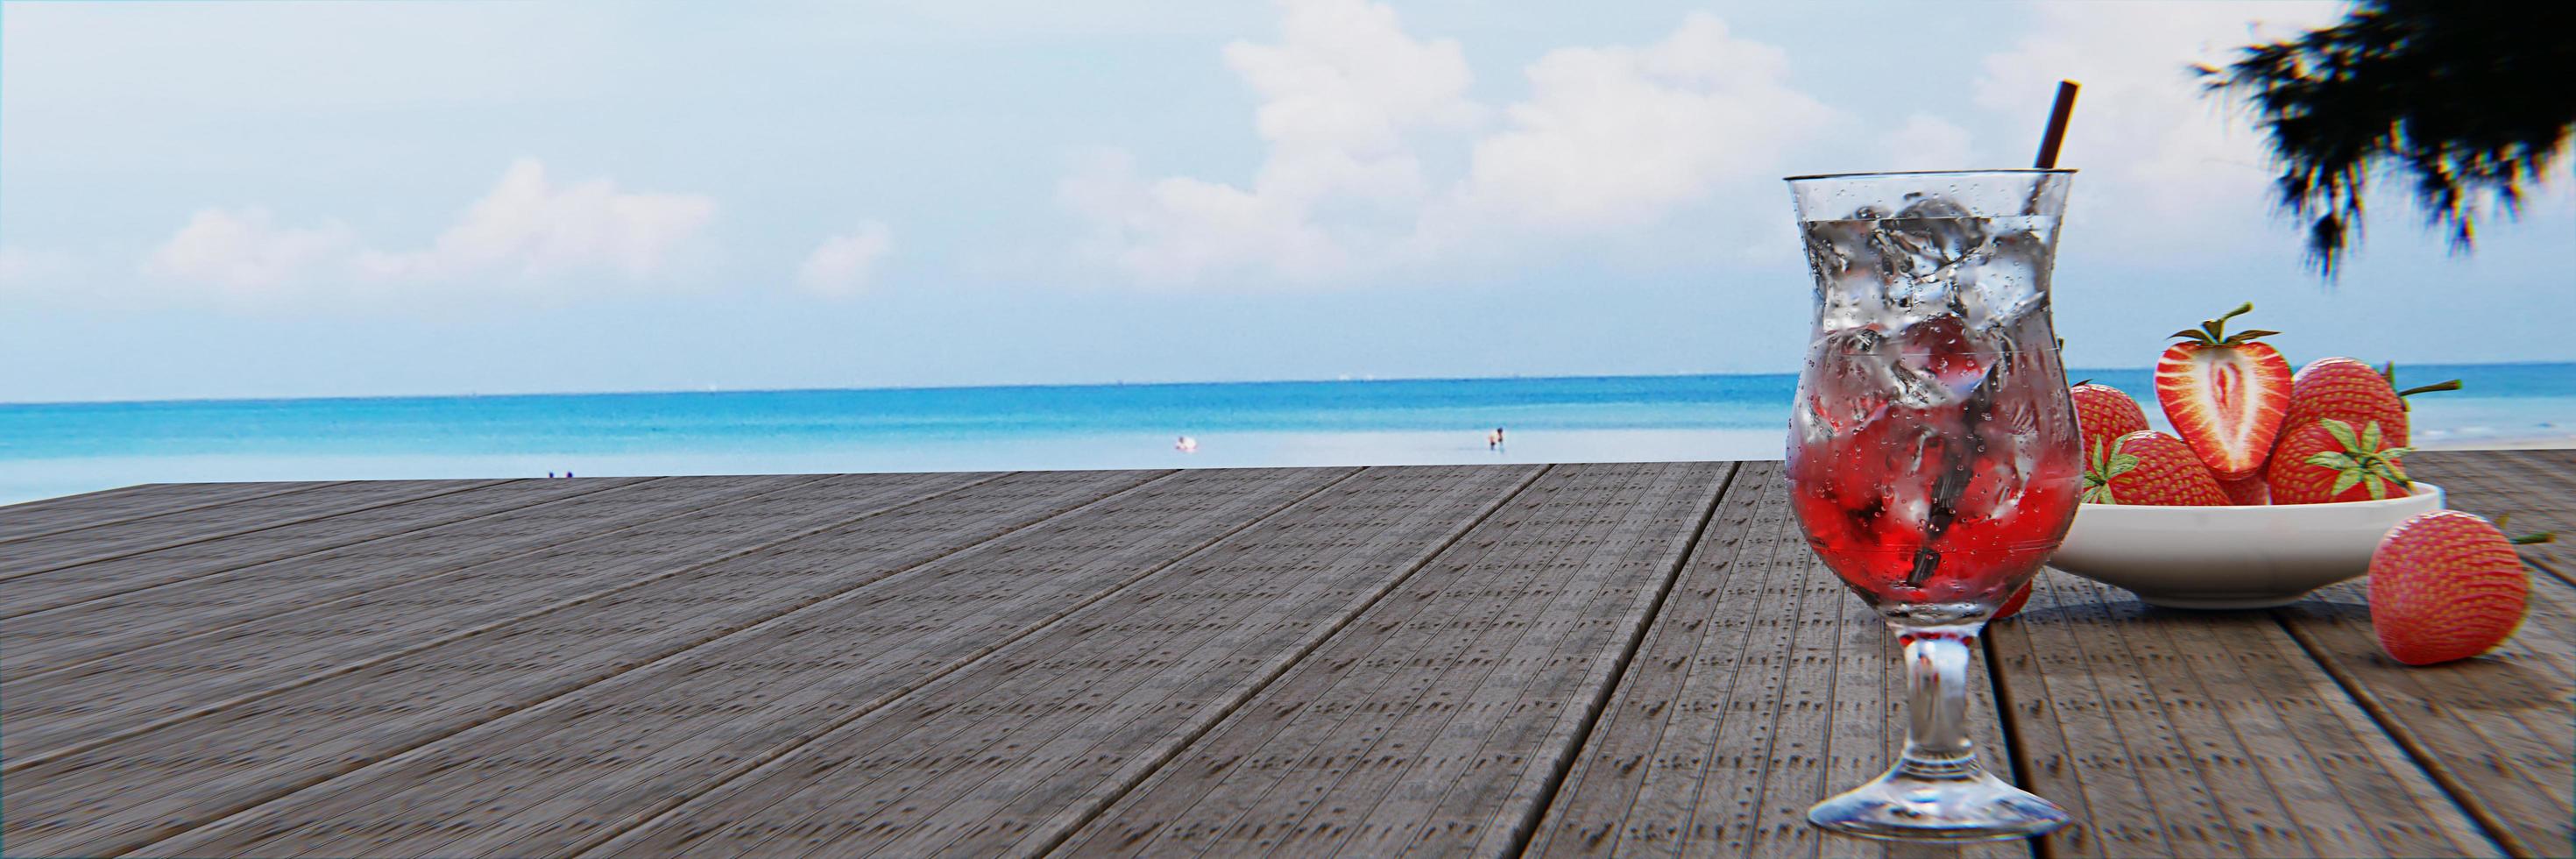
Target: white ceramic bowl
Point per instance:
(2232, 557)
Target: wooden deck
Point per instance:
(1564, 660)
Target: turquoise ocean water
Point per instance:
(50, 449)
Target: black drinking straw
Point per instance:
(2056, 125)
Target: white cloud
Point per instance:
(1619, 136)
(526, 228)
(1608, 137)
(1343, 92)
(1926, 142)
(530, 226)
(244, 251)
(843, 264)
(2150, 143)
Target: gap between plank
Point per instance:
(17, 764)
(2007, 716)
(401, 754)
(372, 593)
(468, 487)
(2458, 792)
(131, 519)
(1527, 827)
(767, 757)
(1280, 668)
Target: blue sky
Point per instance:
(293, 199)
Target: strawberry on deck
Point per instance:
(2225, 394)
(2446, 585)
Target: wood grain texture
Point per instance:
(1605, 659)
(390, 607)
(109, 507)
(1022, 746)
(1761, 687)
(587, 764)
(247, 519)
(2498, 730)
(2536, 487)
(128, 562)
(123, 795)
(1434, 719)
(2188, 733)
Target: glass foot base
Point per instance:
(1970, 806)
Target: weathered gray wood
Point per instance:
(2536, 487)
(2497, 731)
(625, 748)
(1439, 713)
(1062, 722)
(92, 510)
(403, 507)
(1762, 687)
(245, 519)
(181, 776)
(132, 687)
(2183, 733)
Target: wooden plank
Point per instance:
(1024, 745)
(684, 722)
(137, 686)
(1437, 718)
(2184, 733)
(397, 509)
(1761, 687)
(128, 504)
(66, 637)
(243, 517)
(2497, 731)
(123, 795)
(2537, 487)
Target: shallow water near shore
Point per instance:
(51, 449)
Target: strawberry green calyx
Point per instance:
(2389, 371)
(2213, 332)
(2362, 461)
(2107, 463)
(2526, 539)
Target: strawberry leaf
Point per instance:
(2342, 433)
(2344, 481)
(2370, 437)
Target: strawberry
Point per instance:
(2326, 461)
(2147, 467)
(2103, 413)
(2248, 490)
(2355, 393)
(2225, 394)
(2445, 585)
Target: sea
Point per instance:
(52, 449)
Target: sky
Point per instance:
(270, 199)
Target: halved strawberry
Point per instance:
(2355, 393)
(2327, 461)
(2445, 585)
(2147, 467)
(2104, 413)
(2225, 394)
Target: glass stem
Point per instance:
(1936, 682)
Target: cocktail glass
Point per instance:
(1933, 453)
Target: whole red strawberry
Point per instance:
(2103, 413)
(2225, 394)
(2355, 393)
(2147, 467)
(2327, 461)
(2445, 585)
